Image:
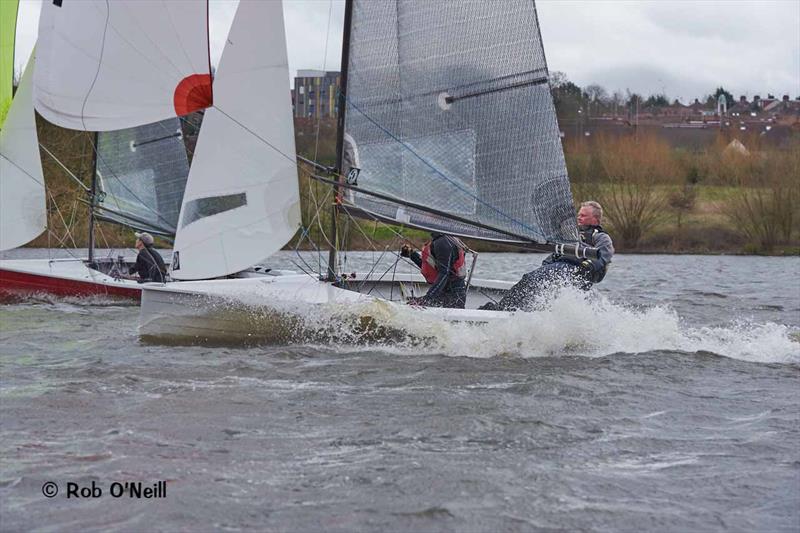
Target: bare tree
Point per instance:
(597, 96)
(634, 196)
(763, 204)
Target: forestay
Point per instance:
(449, 106)
(141, 176)
(110, 65)
(242, 201)
(22, 195)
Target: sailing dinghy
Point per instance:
(140, 161)
(446, 114)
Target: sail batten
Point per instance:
(448, 106)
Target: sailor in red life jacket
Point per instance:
(442, 264)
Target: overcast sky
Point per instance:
(685, 48)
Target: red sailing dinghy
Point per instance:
(141, 162)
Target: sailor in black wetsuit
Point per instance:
(149, 263)
(442, 264)
(560, 269)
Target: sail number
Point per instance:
(352, 176)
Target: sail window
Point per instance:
(212, 205)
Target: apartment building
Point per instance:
(315, 94)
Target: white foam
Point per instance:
(573, 322)
(586, 324)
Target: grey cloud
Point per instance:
(647, 79)
(706, 20)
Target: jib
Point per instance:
(76, 491)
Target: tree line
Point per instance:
(594, 99)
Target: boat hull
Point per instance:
(295, 309)
(23, 278)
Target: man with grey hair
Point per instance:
(149, 263)
(561, 269)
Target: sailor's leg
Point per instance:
(456, 295)
(523, 291)
(534, 284)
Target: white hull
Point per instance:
(297, 308)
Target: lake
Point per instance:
(666, 399)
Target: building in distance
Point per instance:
(315, 94)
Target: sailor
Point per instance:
(149, 263)
(442, 265)
(555, 269)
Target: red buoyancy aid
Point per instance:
(429, 268)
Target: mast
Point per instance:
(92, 200)
(348, 17)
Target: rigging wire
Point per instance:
(68, 171)
(324, 69)
(318, 206)
(36, 181)
(303, 235)
(66, 227)
(319, 118)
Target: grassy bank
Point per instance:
(657, 199)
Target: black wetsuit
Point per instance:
(149, 265)
(449, 289)
(561, 269)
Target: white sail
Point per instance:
(109, 65)
(242, 201)
(22, 196)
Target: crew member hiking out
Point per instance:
(442, 265)
(560, 269)
(149, 263)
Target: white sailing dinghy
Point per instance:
(129, 85)
(448, 109)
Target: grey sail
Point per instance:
(141, 176)
(448, 107)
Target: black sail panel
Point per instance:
(448, 106)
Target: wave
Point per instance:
(576, 323)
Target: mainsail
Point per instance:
(22, 194)
(242, 201)
(141, 176)
(119, 64)
(449, 107)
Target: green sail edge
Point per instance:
(8, 32)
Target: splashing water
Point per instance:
(573, 323)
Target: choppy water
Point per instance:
(669, 400)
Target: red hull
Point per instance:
(17, 283)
